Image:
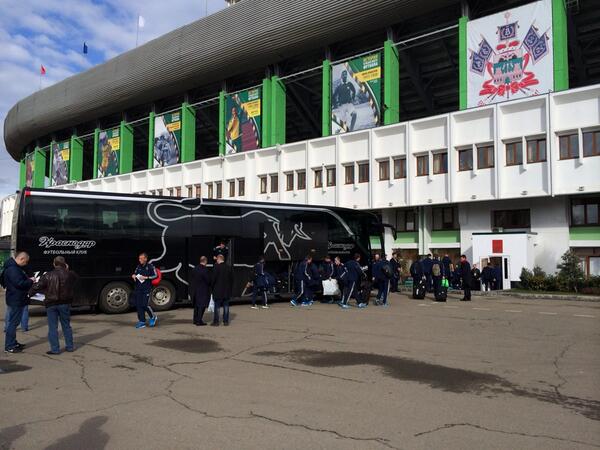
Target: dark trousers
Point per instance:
(467, 290)
(437, 285)
(299, 290)
(259, 291)
(382, 290)
(224, 303)
(349, 291)
(394, 284)
(55, 314)
(10, 335)
(198, 312)
(428, 282)
(487, 285)
(142, 305)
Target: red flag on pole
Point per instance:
(42, 70)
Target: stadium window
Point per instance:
(198, 191)
(190, 191)
(363, 172)
(274, 183)
(445, 218)
(584, 211)
(241, 187)
(465, 159)
(318, 173)
(170, 192)
(384, 170)
(331, 176)
(485, 156)
(399, 168)
(591, 143)
(232, 188)
(536, 150)
(209, 190)
(263, 184)
(349, 174)
(511, 219)
(569, 146)
(178, 191)
(406, 220)
(422, 165)
(514, 153)
(289, 181)
(219, 189)
(440, 163)
(301, 180)
(159, 192)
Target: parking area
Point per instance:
(491, 373)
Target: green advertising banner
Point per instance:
(243, 124)
(59, 170)
(356, 94)
(108, 152)
(29, 169)
(167, 139)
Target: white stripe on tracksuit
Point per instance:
(346, 300)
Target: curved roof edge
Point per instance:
(242, 37)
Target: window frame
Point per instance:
(401, 163)
(525, 226)
(301, 176)
(514, 149)
(331, 170)
(363, 172)
(445, 226)
(403, 228)
(274, 181)
(219, 189)
(384, 169)
(241, 187)
(263, 184)
(209, 190)
(289, 181)
(537, 141)
(489, 150)
(318, 177)
(568, 137)
(461, 151)
(422, 158)
(585, 201)
(349, 174)
(231, 188)
(595, 142)
(443, 155)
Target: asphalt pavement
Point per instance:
(494, 373)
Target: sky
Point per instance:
(52, 33)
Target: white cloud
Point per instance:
(52, 32)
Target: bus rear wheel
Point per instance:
(114, 298)
(163, 296)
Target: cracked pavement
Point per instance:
(417, 375)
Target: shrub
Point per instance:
(569, 271)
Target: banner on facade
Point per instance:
(61, 154)
(167, 139)
(356, 94)
(108, 152)
(29, 168)
(510, 54)
(243, 124)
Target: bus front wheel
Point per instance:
(163, 296)
(114, 298)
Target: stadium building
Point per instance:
(471, 126)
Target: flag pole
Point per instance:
(137, 30)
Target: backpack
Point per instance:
(436, 270)
(387, 271)
(156, 281)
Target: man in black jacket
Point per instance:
(17, 284)
(221, 283)
(200, 290)
(57, 286)
(465, 275)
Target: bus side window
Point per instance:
(48, 216)
(120, 219)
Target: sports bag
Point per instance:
(156, 281)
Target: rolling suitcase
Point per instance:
(442, 294)
(419, 290)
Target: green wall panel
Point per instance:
(267, 113)
(188, 133)
(222, 122)
(560, 45)
(126, 159)
(391, 83)
(39, 171)
(326, 93)
(584, 234)
(76, 160)
(462, 62)
(278, 111)
(445, 236)
(407, 237)
(96, 141)
(151, 117)
(22, 169)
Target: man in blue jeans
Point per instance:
(143, 276)
(57, 287)
(17, 284)
(221, 283)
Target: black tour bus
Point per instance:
(101, 234)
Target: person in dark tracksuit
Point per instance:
(259, 285)
(416, 271)
(447, 263)
(315, 281)
(465, 275)
(475, 278)
(143, 276)
(487, 277)
(351, 278)
(395, 266)
(381, 279)
(438, 272)
(339, 271)
(301, 280)
(200, 290)
(221, 283)
(327, 273)
(17, 284)
(427, 263)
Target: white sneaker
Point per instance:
(265, 307)
(254, 307)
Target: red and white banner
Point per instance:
(510, 54)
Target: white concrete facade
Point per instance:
(541, 186)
